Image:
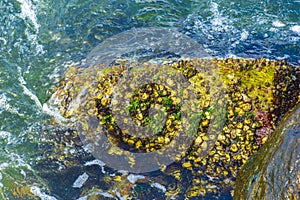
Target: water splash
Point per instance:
(28, 11)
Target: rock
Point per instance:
(257, 93)
(274, 171)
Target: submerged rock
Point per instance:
(255, 95)
(274, 171)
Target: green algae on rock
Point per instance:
(258, 93)
(274, 171)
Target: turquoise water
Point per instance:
(39, 39)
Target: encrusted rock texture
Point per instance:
(257, 93)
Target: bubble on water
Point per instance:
(244, 35)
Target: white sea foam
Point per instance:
(43, 196)
(160, 187)
(278, 23)
(80, 180)
(96, 162)
(244, 35)
(27, 91)
(28, 11)
(296, 29)
(53, 112)
(5, 135)
(1, 185)
(132, 178)
(219, 22)
(4, 105)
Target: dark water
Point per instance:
(39, 39)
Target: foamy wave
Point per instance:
(28, 12)
(5, 106)
(27, 91)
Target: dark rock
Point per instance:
(274, 171)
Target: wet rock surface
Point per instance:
(257, 94)
(274, 171)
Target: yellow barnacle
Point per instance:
(230, 112)
(198, 140)
(117, 178)
(130, 141)
(197, 160)
(159, 99)
(239, 125)
(238, 132)
(250, 133)
(169, 122)
(208, 115)
(221, 137)
(264, 139)
(131, 160)
(234, 148)
(203, 161)
(167, 140)
(104, 102)
(204, 145)
(187, 164)
(148, 88)
(145, 96)
(216, 157)
(241, 112)
(227, 158)
(204, 137)
(226, 129)
(155, 94)
(246, 128)
(138, 144)
(205, 122)
(246, 107)
(139, 116)
(233, 134)
(161, 139)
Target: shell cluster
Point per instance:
(257, 95)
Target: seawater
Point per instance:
(40, 38)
